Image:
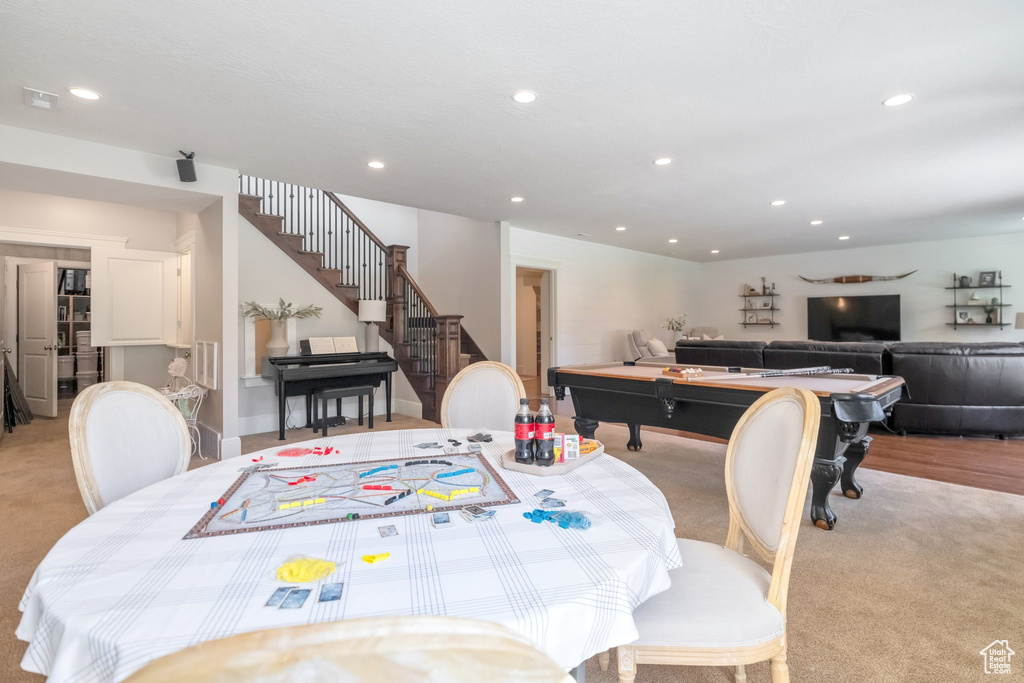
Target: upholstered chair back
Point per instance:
(484, 394)
(124, 437)
(772, 445)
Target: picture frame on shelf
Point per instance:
(987, 278)
(766, 304)
(751, 317)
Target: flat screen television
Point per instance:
(854, 318)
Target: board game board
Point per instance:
(286, 497)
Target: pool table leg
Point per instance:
(585, 427)
(854, 456)
(824, 475)
(634, 443)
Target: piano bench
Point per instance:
(322, 396)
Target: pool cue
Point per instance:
(820, 370)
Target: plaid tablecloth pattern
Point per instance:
(123, 588)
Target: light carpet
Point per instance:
(914, 581)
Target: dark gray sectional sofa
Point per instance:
(969, 389)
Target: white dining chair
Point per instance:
(484, 394)
(371, 650)
(124, 437)
(725, 609)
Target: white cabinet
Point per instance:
(135, 297)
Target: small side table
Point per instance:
(321, 397)
(188, 399)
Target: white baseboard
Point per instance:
(260, 424)
(230, 448)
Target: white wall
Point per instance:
(923, 298)
(391, 223)
(601, 293)
(457, 270)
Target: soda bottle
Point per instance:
(545, 435)
(524, 433)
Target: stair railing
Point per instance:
(329, 227)
(418, 324)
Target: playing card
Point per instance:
(330, 592)
(278, 596)
(295, 599)
(543, 493)
(477, 511)
(548, 503)
(388, 530)
(439, 519)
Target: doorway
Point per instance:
(533, 329)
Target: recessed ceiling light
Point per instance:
(375, 164)
(516, 199)
(714, 251)
(816, 222)
(897, 100)
(664, 161)
(524, 96)
(778, 202)
(621, 228)
(844, 237)
(84, 93)
(673, 241)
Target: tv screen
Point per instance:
(854, 318)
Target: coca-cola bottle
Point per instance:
(544, 433)
(524, 433)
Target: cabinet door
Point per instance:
(134, 297)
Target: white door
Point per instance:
(134, 297)
(37, 336)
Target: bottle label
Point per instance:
(546, 432)
(524, 430)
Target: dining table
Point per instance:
(126, 586)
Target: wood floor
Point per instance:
(985, 463)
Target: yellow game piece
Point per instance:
(304, 570)
(429, 508)
(296, 504)
(318, 501)
(283, 506)
(435, 494)
(307, 502)
(370, 559)
(419, 491)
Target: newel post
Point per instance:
(449, 348)
(398, 255)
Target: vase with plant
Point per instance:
(675, 324)
(278, 344)
(989, 312)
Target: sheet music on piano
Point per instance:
(318, 345)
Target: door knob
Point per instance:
(49, 348)
(8, 350)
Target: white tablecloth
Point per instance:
(123, 588)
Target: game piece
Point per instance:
(429, 508)
(278, 595)
(213, 505)
(543, 493)
(391, 500)
(320, 501)
(431, 444)
(380, 557)
(475, 448)
(456, 473)
(294, 452)
(307, 502)
(220, 501)
(388, 530)
(244, 513)
(304, 570)
(440, 519)
(329, 592)
(295, 599)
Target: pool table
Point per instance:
(712, 402)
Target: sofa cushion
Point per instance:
(866, 357)
(748, 354)
(657, 347)
(958, 349)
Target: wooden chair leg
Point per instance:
(626, 656)
(741, 674)
(603, 658)
(780, 669)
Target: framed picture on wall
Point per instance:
(987, 278)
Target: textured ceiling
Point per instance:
(754, 99)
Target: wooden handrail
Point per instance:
(355, 219)
(402, 271)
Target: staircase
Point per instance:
(322, 235)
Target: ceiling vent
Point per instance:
(41, 99)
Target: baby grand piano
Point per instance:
(306, 373)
